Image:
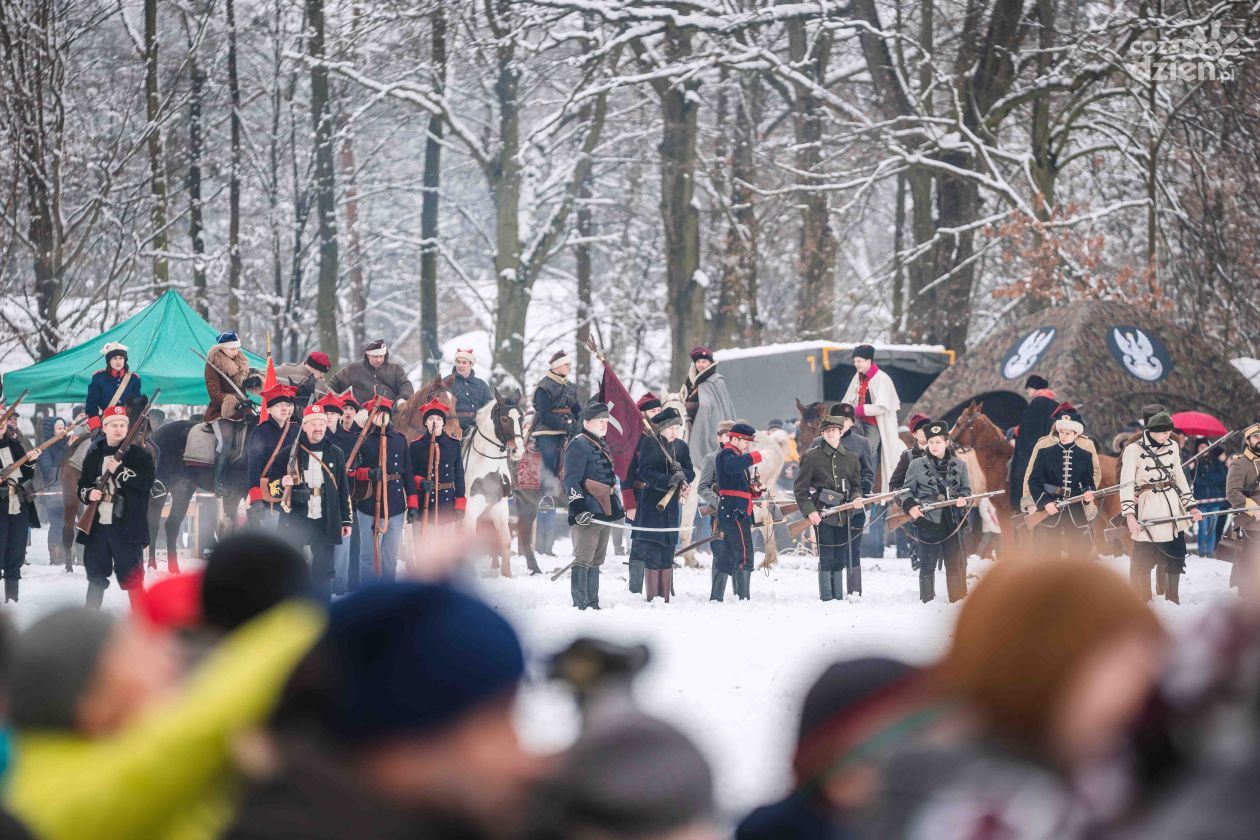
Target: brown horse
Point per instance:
(410, 421)
(810, 426)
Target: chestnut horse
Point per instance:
(410, 421)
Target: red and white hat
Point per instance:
(380, 403)
(280, 393)
(114, 413)
(314, 411)
(466, 355)
(433, 406)
(332, 404)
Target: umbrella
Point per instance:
(1198, 424)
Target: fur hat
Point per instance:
(837, 414)
(112, 349)
(701, 352)
(916, 420)
(1160, 422)
(1066, 423)
(648, 401)
(1037, 382)
(319, 361)
(594, 410)
(376, 348)
(936, 428)
(864, 351)
(666, 418)
(558, 358)
(465, 355)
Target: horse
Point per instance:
(183, 480)
(490, 452)
(410, 421)
(773, 448)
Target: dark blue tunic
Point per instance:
(263, 440)
(400, 480)
(448, 494)
(101, 390)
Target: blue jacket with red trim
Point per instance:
(734, 485)
(101, 390)
(400, 479)
(448, 494)
(262, 441)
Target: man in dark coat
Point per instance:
(471, 392)
(733, 555)
(938, 476)
(267, 454)
(105, 385)
(307, 377)
(590, 485)
(1035, 424)
(1058, 472)
(319, 498)
(556, 412)
(917, 423)
(373, 374)
(441, 490)
(832, 470)
(399, 499)
(17, 506)
(664, 468)
(343, 432)
(346, 430)
(120, 528)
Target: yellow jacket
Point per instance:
(153, 778)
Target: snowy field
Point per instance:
(730, 674)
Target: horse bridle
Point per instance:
(505, 448)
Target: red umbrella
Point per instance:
(1198, 424)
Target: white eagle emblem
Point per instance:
(1028, 353)
(1138, 354)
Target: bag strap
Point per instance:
(122, 386)
(275, 452)
(322, 465)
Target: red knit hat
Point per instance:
(319, 361)
(701, 352)
(916, 420)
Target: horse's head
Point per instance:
(506, 419)
(810, 426)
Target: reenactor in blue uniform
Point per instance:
(556, 410)
(649, 406)
(471, 391)
(120, 528)
(399, 499)
(733, 555)
(439, 482)
(267, 454)
(590, 486)
(106, 382)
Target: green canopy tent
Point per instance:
(158, 340)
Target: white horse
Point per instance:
(773, 448)
(489, 450)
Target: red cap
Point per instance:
(332, 402)
(319, 361)
(1062, 407)
(280, 392)
(381, 403)
(347, 398)
(433, 406)
(916, 420)
(173, 602)
(313, 410)
(114, 411)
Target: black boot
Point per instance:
(825, 592)
(220, 474)
(745, 578)
(592, 587)
(719, 586)
(927, 588)
(636, 575)
(10, 590)
(577, 586)
(1172, 590)
(837, 584)
(665, 581)
(95, 596)
(854, 583)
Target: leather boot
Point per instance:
(592, 587)
(665, 582)
(95, 596)
(737, 584)
(10, 590)
(577, 586)
(220, 474)
(1161, 579)
(837, 584)
(927, 588)
(825, 592)
(745, 579)
(719, 586)
(1172, 590)
(637, 574)
(853, 584)
(1141, 579)
(651, 584)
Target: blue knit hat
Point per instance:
(402, 658)
(227, 338)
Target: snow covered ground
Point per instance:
(731, 674)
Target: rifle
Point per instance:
(1121, 530)
(1034, 518)
(88, 516)
(21, 462)
(286, 499)
(8, 412)
(717, 535)
(357, 493)
(431, 475)
(795, 529)
(898, 519)
(1210, 447)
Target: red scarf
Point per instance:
(864, 382)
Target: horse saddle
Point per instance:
(529, 470)
(200, 446)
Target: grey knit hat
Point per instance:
(56, 659)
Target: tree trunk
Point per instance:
(430, 347)
(325, 188)
(736, 320)
(356, 275)
(234, 175)
(157, 166)
(196, 225)
(505, 179)
(582, 260)
(679, 215)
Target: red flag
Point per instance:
(622, 442)
(269, 379)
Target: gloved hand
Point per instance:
(374, 474)
(412, 515)
(426, 485)
(676, 477)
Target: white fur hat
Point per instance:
(1067, 424)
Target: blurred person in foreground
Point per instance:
(1051, 665)
(113, 744)
(399, 724)
(850, 715)
(10, 827)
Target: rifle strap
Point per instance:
(322, 465)
(118, 392)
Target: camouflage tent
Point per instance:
(1105, 357)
